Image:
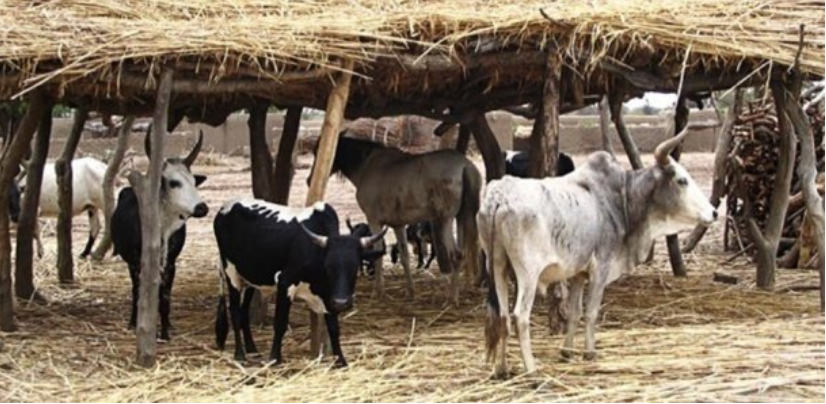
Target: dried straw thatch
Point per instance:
(108, 48)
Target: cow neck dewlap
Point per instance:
(170, 221)
(639, 217)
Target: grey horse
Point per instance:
(397, 189)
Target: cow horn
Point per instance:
(22, 171)
(663, 150)
(367, 242)
(320, 241)
(349, 225)
(193, 154)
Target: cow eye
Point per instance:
(682, 181)
(174, 184)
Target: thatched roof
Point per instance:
(411, 56)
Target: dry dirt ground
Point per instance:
(660, 338)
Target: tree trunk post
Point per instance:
(112, 171)
(13, 152)
(615, 100)
(327, 145)
(767, 242)
(718, 187)
(148, 189)
(260, 156)
(63, 173)
(673, 241)
(488, 146)
(605, 125)
(283, 170)
(29, 209)
(544, 153)
(807, 173)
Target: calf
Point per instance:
(420, 235)
(179, 201)
(593, 225)
(516, 164)
(368, 267)
(298, 252)
(87, 196)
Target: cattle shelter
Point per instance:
(662, 337)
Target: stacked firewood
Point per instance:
(751, 171)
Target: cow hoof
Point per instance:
(130, 325)
(567, 355)
(241, 358)
(500, 374)
(163, 339)
(590, 355)
(340, 364)
(253, 353)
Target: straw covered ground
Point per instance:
(660, 339)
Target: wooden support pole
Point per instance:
(112, 171)
(30, 203)
(615, 100)
(675, 257)
(807, 173)
(766, 242)
(148, 189)
(63, 173)
(604, 125)
(327, 145)
(12, 154)
(718, 187)
(488, 146)
(544, 152)
(284, 170)
(260, 156)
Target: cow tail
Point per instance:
(221, 318)
(471, 189)
(496, 324)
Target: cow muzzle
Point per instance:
(342, 305)
(201, 210)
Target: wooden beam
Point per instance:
(463, 140)
(112, 171)
(283, 170)
(544, 151)
(672, 241)
(29, 206)
(327, 145)
(616, 96)
(63, 171)
(148, 189)
(648, 81)
(488, 146)
(605, 125)
(10, 160)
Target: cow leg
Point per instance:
(447, 255)
(249, 344)
(596, 286)
(502, 323)
(94, 229)
(37, 238)
(134, 274)
(164, 301)
(235, 316)
(280, 322)
(378, 281)
(404, 255)
(576, 286)
(332, 329)
(526, 292)
(419, 251)
(431, 257)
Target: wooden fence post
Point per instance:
(63, 173)
(672, 241)
(283, 169)
(112, 171)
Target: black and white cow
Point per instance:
(296, 251)
(368, 267)
(593, 224)
(179, 201)
(516, 164)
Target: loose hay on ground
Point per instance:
(660, 339)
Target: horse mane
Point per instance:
(351, 153)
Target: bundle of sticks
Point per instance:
(751, 170)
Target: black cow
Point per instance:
(420, 235)
(368, 267)
(297, 251)
(179, 201)
(516, 164)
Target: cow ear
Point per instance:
(371, 255)
(199, 179)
